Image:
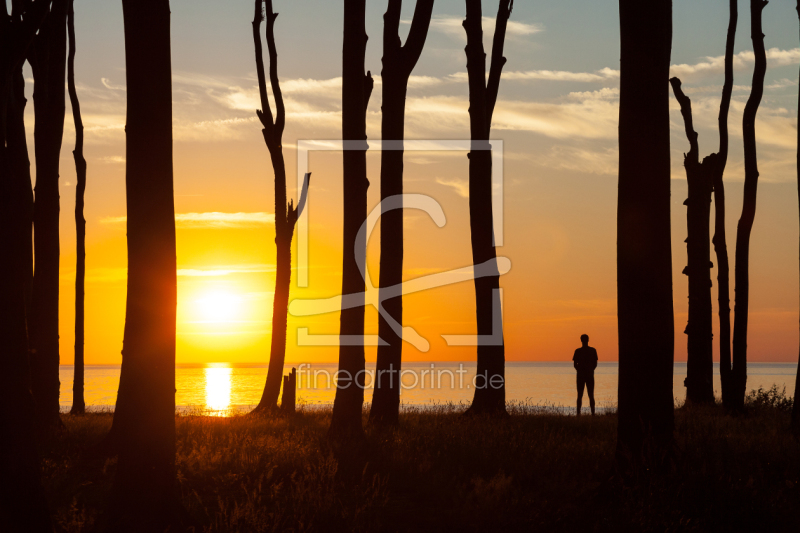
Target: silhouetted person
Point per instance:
(585, 361)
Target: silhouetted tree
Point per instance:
(48, 60)
(703, 178)
(78, 403)
(644, 257)
(356, 90)
(742, 270)
(285, 217)
(700, 364)
(796, 405)
(490, 391)
(143, 497)
(398, 62)
(22, 502)
(719, 240)
(289, 395)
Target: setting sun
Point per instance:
(218, 306)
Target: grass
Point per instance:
(534, 471)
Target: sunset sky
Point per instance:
(556, 115)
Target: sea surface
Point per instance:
(221, 388)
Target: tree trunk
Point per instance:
(644, 257)
(143, 496)
(288, 399)
(719, 240)
(700, 363)
(48, 60)
(356, 90)
(285, 216)
(398, 63)
(742, 270)
(22, 502)
(490, 391)
(78, 403)
(796, 405)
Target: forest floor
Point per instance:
(440, 471)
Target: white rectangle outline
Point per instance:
(420, 145)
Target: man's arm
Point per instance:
(594, 362)
(575, 360)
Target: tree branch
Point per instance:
(280, 112)
(686, 112)
(264, 114)
(757, 91)
(31, 20)
(73, 94)
(476, 71)
(369, 83)
(727, 87)
(417, 34)
(496, 67)
(391, 29)
(301, 203)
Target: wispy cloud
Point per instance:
(775, 57)
(111, 86)
(460, 186)
(115, 159)
(117, 274)
(211, 220)
(225, 270)
(452, 26)
(600, 161)
(601, 75)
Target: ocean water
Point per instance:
(221, 388)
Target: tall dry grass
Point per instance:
(439, 471)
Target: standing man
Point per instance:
(585, 361)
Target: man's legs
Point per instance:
(581, 384)
(590, 390)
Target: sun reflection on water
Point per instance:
(218, 389)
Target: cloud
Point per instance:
(224, 128)
(589, 118)
(606, 93)
(224, 270)
(781, 84)
(775, 58)
(561, 75)
(600, 161)
(453, 26)
(211, 220)
(117, 274)
(108, 85)
(461, 187)
(111, 159)
(590, 115)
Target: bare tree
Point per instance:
(490, 391)
(703, 178)
(700, 365)
(22, 503)
(796, 405)
(78, 402)
(356, 90)
(398, 63)
(285, 216)
(719, 240)
(143, 496)
(48, 60)
(644, 257)
(742, 270)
